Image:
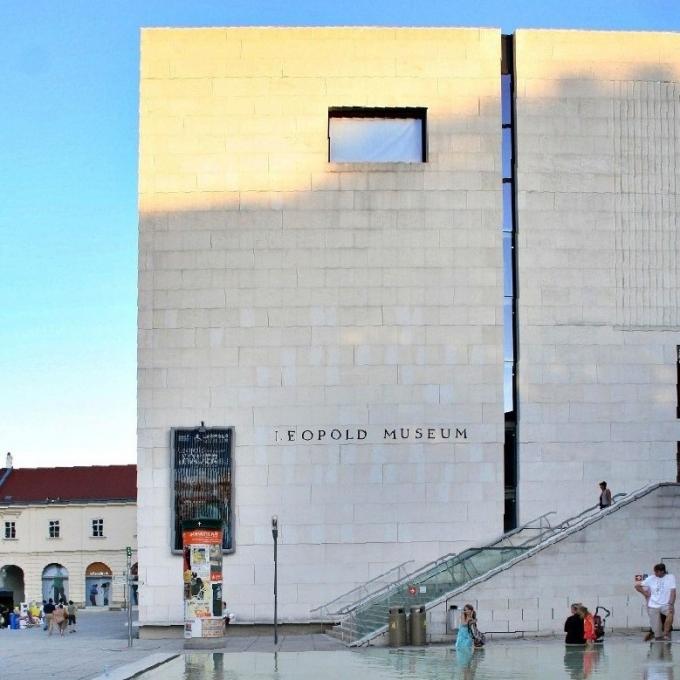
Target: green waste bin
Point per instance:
(417, 625)
(397, 627)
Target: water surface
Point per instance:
(618, 659)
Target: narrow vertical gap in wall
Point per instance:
(677, 463)
(510, 292)
(677, 381)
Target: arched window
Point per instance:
(98, 584)
(55, 582)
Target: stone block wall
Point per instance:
(598, 138)
(279, 292)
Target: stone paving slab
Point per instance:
(100, 647)
(131, 670)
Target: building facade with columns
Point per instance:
(65, 532)
(401, 288)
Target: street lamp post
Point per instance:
(275, 536)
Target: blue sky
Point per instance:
(68, 215)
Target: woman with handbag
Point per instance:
(464, 640)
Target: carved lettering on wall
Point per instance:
(301, 435)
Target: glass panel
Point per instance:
(508, 344)
(506, 99)
(507, 207)
(507, 265)
(430, 584)
(508, 372)
(375, 140)
(507, 153)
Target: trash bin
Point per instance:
(417, 626)
(13, 621)
(452, 620)
(397, 627)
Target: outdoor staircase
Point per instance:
(363, 612)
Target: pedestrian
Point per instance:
(93, 594)
(464, 640)
(659, 592)
(588, 625)
(573, 627)
(59, 619)
(605, 496)
(71, 613)
(48, 610)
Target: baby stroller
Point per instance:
(599, 622)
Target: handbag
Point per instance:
(478, 638)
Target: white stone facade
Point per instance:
(282, 293)
(598, 122)
(278, 291)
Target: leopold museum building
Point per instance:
(404, 288)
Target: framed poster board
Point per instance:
(202, 480)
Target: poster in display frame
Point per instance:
(202, 479)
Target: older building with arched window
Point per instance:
(65, 532)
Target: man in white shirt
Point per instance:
(659, 592)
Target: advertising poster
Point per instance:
(202, 578)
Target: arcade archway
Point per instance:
(98, 584)
(55, 582)
(11, 585)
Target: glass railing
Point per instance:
(427, 586)
(436, 579)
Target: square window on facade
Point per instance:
(377, 135)
(97, 528)
(10, 530)
(54, 528)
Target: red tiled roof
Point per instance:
(69, 484)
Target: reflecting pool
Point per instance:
(618, 659)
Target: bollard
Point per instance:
(417, 626)
(397, 627)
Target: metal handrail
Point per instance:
(576, 518)
(424, 568)
(359, 587)
(548, 536)
(389, 586)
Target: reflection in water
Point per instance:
(659, 664)
(467, 660)
(206, 667)
(619, 659)
(581, 661)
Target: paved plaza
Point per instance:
(100, 649)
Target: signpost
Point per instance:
(275, 536)
(128, 553)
